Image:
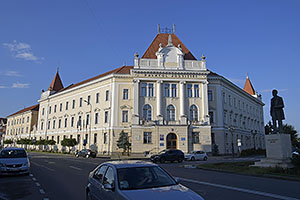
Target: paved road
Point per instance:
(65, 177)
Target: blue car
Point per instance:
(132, 180)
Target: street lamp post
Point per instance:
(231, 130)
(90, 130)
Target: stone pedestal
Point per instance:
(279, 150)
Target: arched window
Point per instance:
(193, 113)
(171, 113)
(147, 112)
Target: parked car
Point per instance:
(86, 153)
(168, 155)
(14, 161)
(196, 155)
(132, 180)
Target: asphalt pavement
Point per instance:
(55, 176)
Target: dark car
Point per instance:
(168, 155)
(86, 153)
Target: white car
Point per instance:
(196, 155)
(14, 161)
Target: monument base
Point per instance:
(274, 163)
(279, 148)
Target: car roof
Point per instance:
(12, 148)
(129, 163)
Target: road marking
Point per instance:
(30, 174)
(37, 184)
(240, 189)
(34, 179)
(42, 191)
(46, 199)
(42, 166)
(75, 168)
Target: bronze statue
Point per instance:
(276, 111)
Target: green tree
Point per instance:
(8, 142)
(289, 129)
(123, 142)
(268, 128)
(68, 142)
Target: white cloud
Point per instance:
(22, 51)
(270, 90)
(20, 85)
(11, 73)
(2, 86)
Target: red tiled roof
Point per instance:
(163, 39)
(56, 83)
(34, 107)
(120, 70)
(248, 87)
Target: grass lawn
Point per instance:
(245, 168)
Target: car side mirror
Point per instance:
(108, 187)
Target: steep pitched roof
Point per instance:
(34, 107)
(248, 87)
(163, 39)
(120, 70)
(56, 83)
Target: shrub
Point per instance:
(253, 151)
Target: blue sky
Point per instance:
(88, 37)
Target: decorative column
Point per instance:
(182, 97)
(205, 102)
(136, 96)
(159, 101)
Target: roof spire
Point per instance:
(56, 83)
(248, 87)
(170, 43)
(158, 28)
(173, 28)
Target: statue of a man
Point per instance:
(276, 111)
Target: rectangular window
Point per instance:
(53, 125)
(105, 138)
(48, 124)
(147, 137)
(55, 108)
(42, 125)
(189, 90)
(174, 90)
(97, 97)
(67, 105)
(96, 118)
(125, 93)
(80, 102)
(87, 119)
(49, 109)
(27, 119)
(125, 116)
(106, 95)
(95, 138)
(72, 122)
(86, 138)
(167, 90)
(26, 129)
(196, 90)
(143, 89)
(210, 95)
(60, 107)
(105, 116)
(78, 138)
(43, 111)
(150, 90)
(58, 139)
(195, 137)
(59, 123)
(88, 100)
(66, 122)
(73, 104)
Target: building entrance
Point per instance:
(171, 141)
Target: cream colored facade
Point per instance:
(22, 124)
(236, 117)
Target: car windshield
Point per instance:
(163, 151)
(143, 177)
(193, 152)
(16, 153)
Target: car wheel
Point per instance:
(205, 158)
(162, 160)
(180, 160)
(192, 158)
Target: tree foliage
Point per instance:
(8, 142)
(123, 142)
(69, 142)
(289, 129)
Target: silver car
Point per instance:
(196, 155)
(132, 180)
(14, 161)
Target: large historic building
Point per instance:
(168, 99)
